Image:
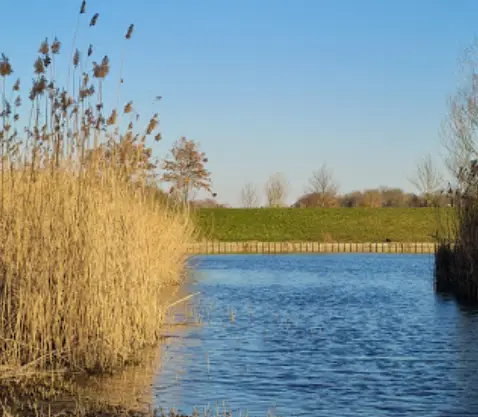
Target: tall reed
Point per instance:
(86, 252)
(456, 259)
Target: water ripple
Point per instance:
(324, 335)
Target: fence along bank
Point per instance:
(217, 247)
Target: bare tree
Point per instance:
(276, 191)
(186, 171)
(427, 179)
(392, 197)
(249, 197)
(459, 130)
(323, 185)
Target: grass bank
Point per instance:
(319, 225)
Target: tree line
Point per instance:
(323, 191)
(185, 171)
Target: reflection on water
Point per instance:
(130, 388)
(467, 377)
(322, 335)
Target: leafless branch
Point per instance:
(276, 191)
(427, 179)
(323, 185)
(249, 196)
(458, 131)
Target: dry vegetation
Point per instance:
(86, 252)
(456, 260)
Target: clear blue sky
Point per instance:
(271, 86)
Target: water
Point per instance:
(323, 335)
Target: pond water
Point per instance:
(322, 335)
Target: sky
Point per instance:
(273, 86)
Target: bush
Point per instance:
(456, 259)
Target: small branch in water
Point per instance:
(183, 299)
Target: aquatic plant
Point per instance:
(456, 258)
(86, 250)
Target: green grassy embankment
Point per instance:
(322, 225)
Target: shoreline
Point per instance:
(250, 247)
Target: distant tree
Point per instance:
(415, 201)
(317, 200)
(249, 196)
(352, 199)
(427, 180)
(323, 185)
(276, 191)
(371, 198)
(392, 197)
(378, 197)
(185, 170)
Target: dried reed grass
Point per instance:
(86, 252)
(82, 278)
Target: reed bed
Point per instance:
(456, 258)
(87, 250)
(82, 279)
